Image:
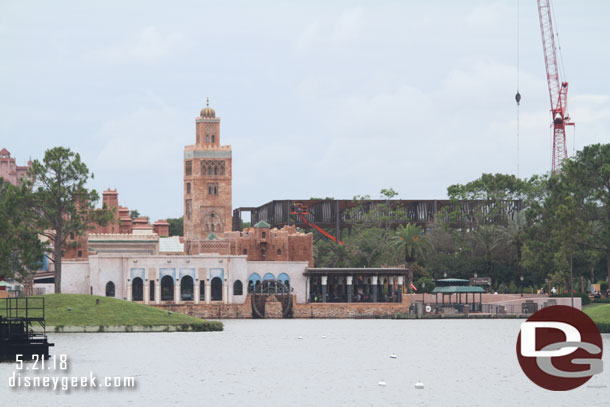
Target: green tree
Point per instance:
(176, 226)
(21, 250)
(570, 233)
(367, 246)
(134, 214)
(493, 198)
(63, 204)
(410, 242)
(487, 240)
(587, 175)
(330, 254)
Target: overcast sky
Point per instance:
(323, 99)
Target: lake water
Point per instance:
(262, 363)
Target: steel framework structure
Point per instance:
(558, 90)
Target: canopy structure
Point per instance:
(458, 291)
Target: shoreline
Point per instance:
(129, 328)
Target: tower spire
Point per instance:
(207, 101)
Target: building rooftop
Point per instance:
(457, 289)
(99, 237)
(171, 245)
(262, 225)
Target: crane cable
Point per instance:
(561, 65)
(518, 95)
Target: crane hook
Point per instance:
(518, 98)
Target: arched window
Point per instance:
(212, 138)
(285, 279)
(80, 254)
(207, 138)
(167, 288)
(215, 170)
(109, 289)
(137, 289)
(245, 251)
(216, 289)
(186, 288)
(212, 226)
(253, 281)
(209, 170)
(238, 288)
(264, 235)
(279, 252)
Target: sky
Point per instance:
(317, 99)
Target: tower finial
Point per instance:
(207, 101)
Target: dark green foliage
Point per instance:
(545, 229)
(63, 204)
(176, 226)
(21, 251)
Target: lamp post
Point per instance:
(521, 278)
(423, 293)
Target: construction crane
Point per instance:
(558, 90)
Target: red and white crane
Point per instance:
(558, 90)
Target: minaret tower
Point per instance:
(207, 181)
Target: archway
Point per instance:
(109, 289)
(284, 279)
(238, 288)
(253, 281)
(167, 288)
(186, 288)
(216, 289)
(137, 289)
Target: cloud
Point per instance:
(336, 32)
(144, 140)
(147, 45)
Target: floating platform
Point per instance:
(18, 318)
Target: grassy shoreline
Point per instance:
(600, 314)
(81, 310)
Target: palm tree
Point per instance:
(512, 236)
(487, 239)
(409, 240)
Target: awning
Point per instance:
(458, 289)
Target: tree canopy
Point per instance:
(21, 250)
(63, 204)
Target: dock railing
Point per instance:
(28, 309)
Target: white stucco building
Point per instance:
(129, 266)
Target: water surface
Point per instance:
(337, 363)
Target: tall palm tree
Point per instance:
(513, 236)
(409, 240)
(487, 240)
